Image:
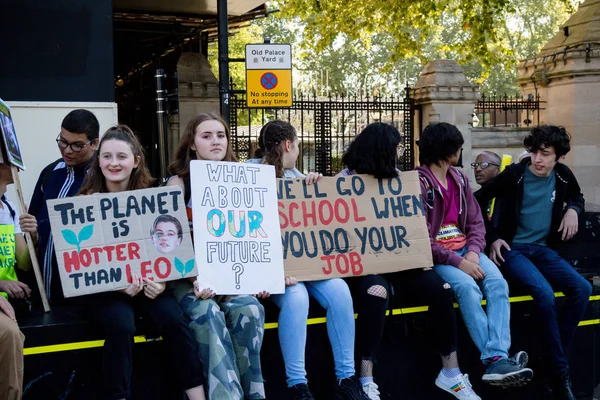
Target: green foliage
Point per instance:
(364, 46)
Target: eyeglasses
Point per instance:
(483, 165)
(169, 235)
(75, 147)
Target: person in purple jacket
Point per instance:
(457, 234)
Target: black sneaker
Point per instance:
(506, 373)
(561, 388)
(349, 389)
(301, 392)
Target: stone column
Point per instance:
(198, 93)
(445, 95)
(566, 75)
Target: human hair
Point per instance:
(496, 157)
(374, 151)
(184, 153)
(169, 219)
(260, 152)
(82, 121)
(439, 142)
(548, 136)
(275, 133)
(140, 178)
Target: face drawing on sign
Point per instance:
(166, 233)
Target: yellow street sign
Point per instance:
(269, 88)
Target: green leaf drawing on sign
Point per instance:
(86, 232)
(179, 267)
(70, 237)
(189, 266)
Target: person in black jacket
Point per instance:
(540, 204)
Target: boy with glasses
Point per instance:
(77, 143)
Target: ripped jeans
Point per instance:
(416, 288)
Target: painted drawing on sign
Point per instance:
(236, 232)
(102, 240)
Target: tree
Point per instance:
(363, 45)
(412, 24)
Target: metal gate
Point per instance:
(325, 124)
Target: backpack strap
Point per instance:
(10, 209)
(430, 192)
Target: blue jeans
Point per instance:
(542, 271)
(491, 331)
(334, 296)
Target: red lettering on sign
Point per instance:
(283, 221)
(133, 249)
(338, 265)
(120, 249)
(158, 272)
(312, 214)
(329, 269)
(325, 220)
(357, 218)
(145, 270)
(344, 205)
(293, 206)
(355, 263)
(71, 261)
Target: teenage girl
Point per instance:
(229, 329)
(118, 167)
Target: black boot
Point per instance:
(301, 392)
(561, 388)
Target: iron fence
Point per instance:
(507, 111)
(325, 124)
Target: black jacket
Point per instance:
(508, 186)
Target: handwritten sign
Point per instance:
(103, 239)
(9, 137)
(352, 226)
(236, 230)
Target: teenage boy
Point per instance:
(77, 143)
(457, 234)
(541, 202)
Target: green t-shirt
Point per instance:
(536, 210)
(7, 254)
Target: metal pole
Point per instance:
(223, 42)
(160, 117)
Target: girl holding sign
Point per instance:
(229, 329)
(280, 143)
(119, 166)
(375, 151)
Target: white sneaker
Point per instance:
(459, 386)
(371, 390)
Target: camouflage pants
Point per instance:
(229, 332)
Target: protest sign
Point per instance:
(9, 137)
(103, 239)
(352, 226)
(236, 229)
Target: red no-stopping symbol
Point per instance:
(268, 80)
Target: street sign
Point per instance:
(269, 75)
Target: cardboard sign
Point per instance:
(103, 239)
(352, 226)
(9, 137)
(236, 230)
